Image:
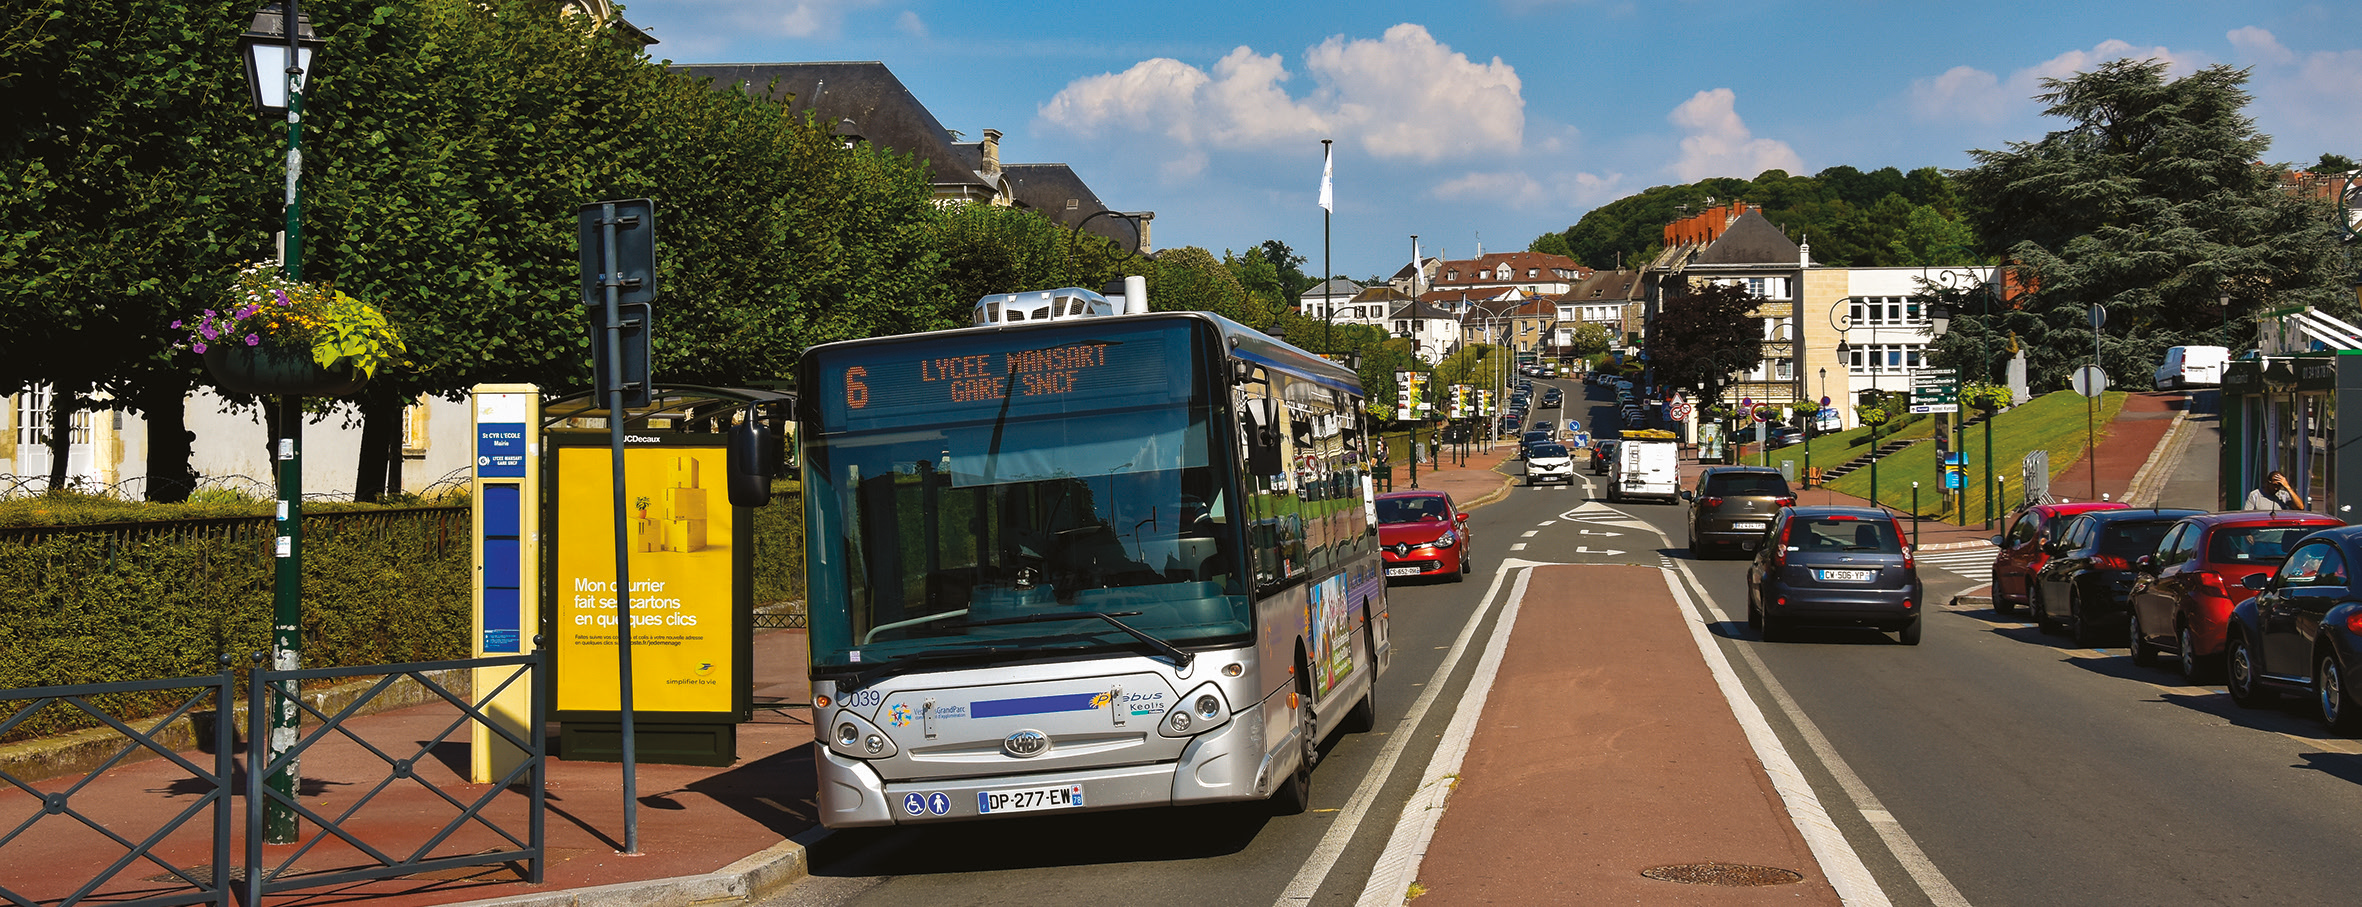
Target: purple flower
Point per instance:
(176, 324)
(254, 340)
(207, 331)
(200, 348)
(282, 294)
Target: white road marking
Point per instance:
(1530, 533)
(1398, 865)
(1843, 867)
(1922, 870)
(1332, 845)
(1520, 546)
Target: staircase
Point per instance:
(1832, 473)
(1863, 461)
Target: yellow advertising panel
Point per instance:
(679, 525)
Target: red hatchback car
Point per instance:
(1420, 533)
(2022, 553)
(2182, 596)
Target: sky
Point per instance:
(1483, 125)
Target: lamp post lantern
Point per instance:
(278, 48)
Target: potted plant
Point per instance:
(278, 336)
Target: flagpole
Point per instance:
(1328, 272)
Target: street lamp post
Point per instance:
(278, 47)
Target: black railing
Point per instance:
(337, 848)
(77, 803)
(264, 696)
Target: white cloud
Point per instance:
(910, 24)
(1974, 95)
(1719, 144)
(2258, 45)
(1512, 188)
(1961, 93)
(1401, 96)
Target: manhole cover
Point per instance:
(1735, 875)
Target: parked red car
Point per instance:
(2183, 595)
(2022, 553)
(1420, 533)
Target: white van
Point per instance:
(2191, 366)
(1647, 464)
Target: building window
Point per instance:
(1886, 358)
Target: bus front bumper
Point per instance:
(1219, 765)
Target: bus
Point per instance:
(1092, 560)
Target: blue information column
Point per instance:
(507, 490)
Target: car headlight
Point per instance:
(1446, 540)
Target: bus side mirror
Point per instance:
(749, 456)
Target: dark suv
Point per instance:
(1733, 505)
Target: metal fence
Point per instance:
(376, 831)
(78, 805)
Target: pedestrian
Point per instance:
(2275, 494)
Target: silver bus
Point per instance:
(1078, 564)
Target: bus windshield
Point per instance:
(1074, 473)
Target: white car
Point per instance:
(1549, 461)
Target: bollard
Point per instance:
(1914, 516)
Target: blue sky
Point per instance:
(1496, 121)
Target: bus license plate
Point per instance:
(1856, 576)
(1028, 799)
(1402, 571)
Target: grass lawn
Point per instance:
(2052, 422)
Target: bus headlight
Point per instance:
(1204, 709)
(854, 737)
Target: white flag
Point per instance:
(1327, 194)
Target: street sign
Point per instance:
(2089, 380)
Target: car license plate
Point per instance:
(1402, 571)
(1746, 525)
(1855, 576)
(1029, 799)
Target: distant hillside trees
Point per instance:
(1853, 219)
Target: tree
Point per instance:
(133, 191)
(2150, 203)
(1700, 338)
(1189, 279)
(1590, 338)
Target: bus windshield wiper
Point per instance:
(1180, 658)
(863, 678)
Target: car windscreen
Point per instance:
(2133, 538)
(1842, 533)
(1745, 483)
(1426, 509)
(1545, 451)
(2262, 545)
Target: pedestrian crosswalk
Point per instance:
(1976, 562)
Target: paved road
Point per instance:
(1990, 765)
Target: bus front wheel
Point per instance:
(1294, 795)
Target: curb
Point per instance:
(767, 873)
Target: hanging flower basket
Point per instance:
(277, 336)
(271, 369)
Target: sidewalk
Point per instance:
(704, 832)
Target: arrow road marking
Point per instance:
(1609, 551)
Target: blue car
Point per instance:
(2302, 632)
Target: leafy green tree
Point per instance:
(2150, 203)
(2335, 163)
(1190, 279)
(133, 167)
(1700, 338)
(1591, 338)
(1930, 239)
